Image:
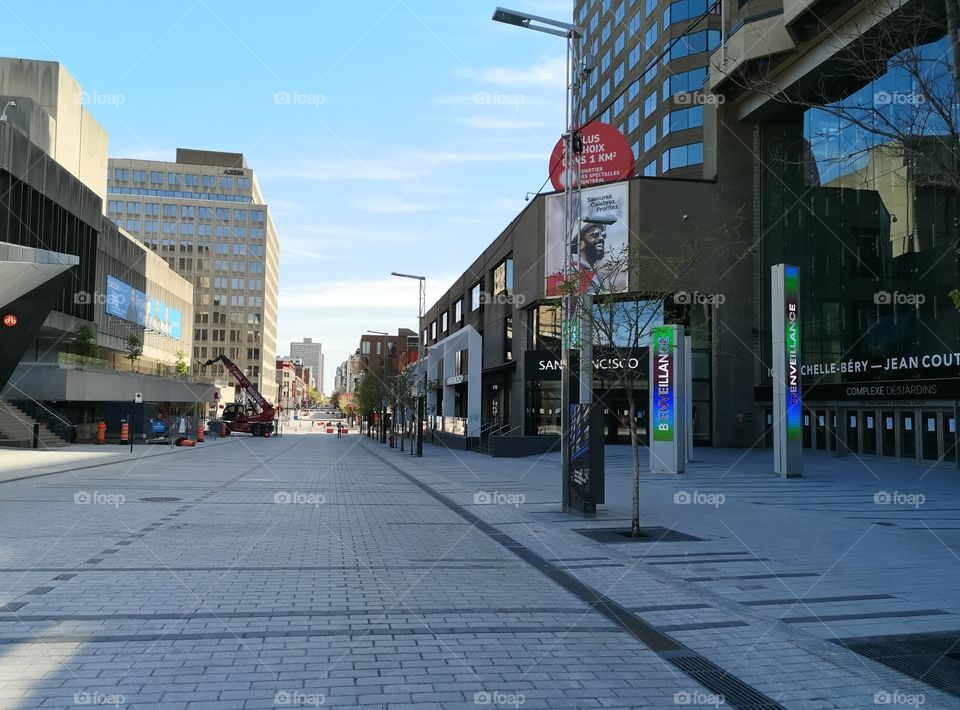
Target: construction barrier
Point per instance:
(124, 433)
(102, 433)
(200, 432)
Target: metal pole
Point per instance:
(422, 346)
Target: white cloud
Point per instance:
(494, 123)
(550, 72)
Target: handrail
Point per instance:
(40, 404)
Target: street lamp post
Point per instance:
(421, 365)
(571, 302)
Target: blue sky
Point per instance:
(387, 135)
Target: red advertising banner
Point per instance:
(606, 157)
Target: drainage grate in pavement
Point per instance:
(734, 691)
(933, 659)
(161, 499)
(622, 535)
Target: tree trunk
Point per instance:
(635, 462)
(953, 30)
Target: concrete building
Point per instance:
(311, 354)
(113, 289)
(830, 145)
(205, 215)
(651, 60)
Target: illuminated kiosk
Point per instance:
(785, 327)
(668, 439)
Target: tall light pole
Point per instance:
(421, 365)
(571, 302)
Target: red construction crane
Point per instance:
(248, 419)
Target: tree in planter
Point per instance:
(180, 362)
(85, 341)
(134, 349)
(619, 324)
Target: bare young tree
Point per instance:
(912, 115)
(619, 324)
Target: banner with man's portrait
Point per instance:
(599, 243)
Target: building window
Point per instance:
(458, 311)
(365, 347)
(475, 300)
(508, 338)
(650, 169)
(693, 43)
(650, 104)
(682, 156)
(444, 322)
(650, 139)
(503, 277)
(651, 5)
(684, 82)
(433, 330)
(683, 119)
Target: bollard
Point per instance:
(223, 428)
(36, 435)
(102, 433)
(124, 433)
(200, 432)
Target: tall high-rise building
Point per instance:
(312, 355)
(206, 216)
(651, 61)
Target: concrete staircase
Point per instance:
(16, 429)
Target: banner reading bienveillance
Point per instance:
(787, 402)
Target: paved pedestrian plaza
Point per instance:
(311, 571)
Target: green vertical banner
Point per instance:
(785, 370)
(664, 383)
(791, 318)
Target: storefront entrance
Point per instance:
(921, 433)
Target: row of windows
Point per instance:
(152, 209)
(183, 195)
(502, 278)
(227, 182)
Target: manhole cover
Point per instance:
(649, 534)
(161, 499)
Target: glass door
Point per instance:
(888, 433)
(869, 438)
(853, 430)
(948, 426)
(820, 430)
(908, 435)
(930, 436)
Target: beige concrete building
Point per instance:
(205, 215)
(62, 128)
